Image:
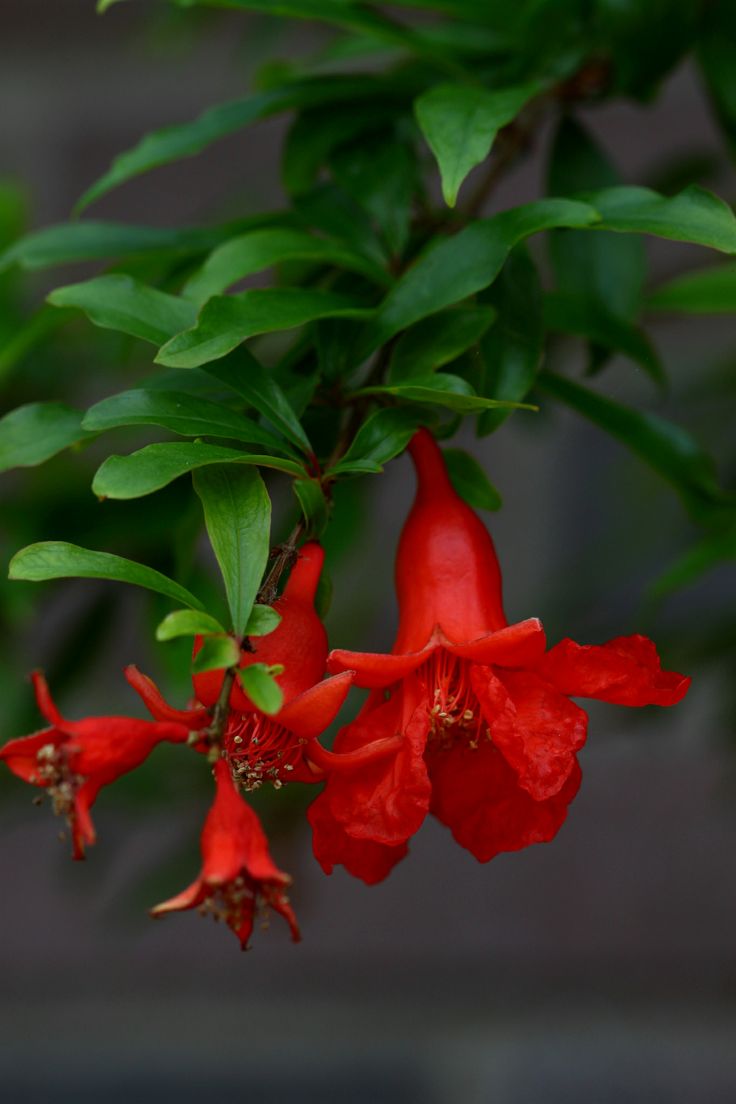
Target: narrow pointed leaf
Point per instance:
(460, 123)
(443, 389)
(437, 340)
(588, 318)
(227, 321)
(237, 513)
(312, 500)
(59, 560)
(155, 466)
(382, 436)
(118, 302)
(470, 481)
(32, 433)
(187, 623)
(694, 215)
(706, 291)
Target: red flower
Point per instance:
(238, 875)
(283, 747)
(488, 735)
(73, 760)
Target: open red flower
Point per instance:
(488, 734)
(238, 876)
(282, 747)
(73, 760)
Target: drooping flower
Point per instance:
(282, 747)
(73, 760)
(487, 734)
(238, 878)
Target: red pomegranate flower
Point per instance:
(238, 876)
(283, 747)
(73, 760)
(488, 735)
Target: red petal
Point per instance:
(519, 645)
(309, 714)
(535, 728)
(384, 801)
(374, 670)
(157, 705)
(477, 795)
(20, 754)
(625, 671)
(107, 747)
(371, 862)
(188, 898)
(46, 703)
(82, 828)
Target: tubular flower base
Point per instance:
(238, 877)
(487, 734)
(283, 747)
(73, 760)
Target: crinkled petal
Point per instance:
(536, 729)
(309, 714)
(477, 795)
(364, 859)
(625, 671)
(519, 645)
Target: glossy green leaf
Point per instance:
(460, 123)
(442, 389)
(59, 560)
(172, 143)
(694, 215)
(155, 466)
(249, 253)
(32, 433)
(667, 448)
(262, 621)
(247, 377)
(227, 321)
(607, 268)
(237, 513)
(588, 318)
(382, 436)
(455, 268)
(706, 554)
(187, 415)
(261, 687)
(513, 347)
(437, 340)
(380, 173)
(71, 242)
(470, 481)
(717, 56)
(187, 623)
(706, 291)
(118, 302)
(313, 504)
(216, 653)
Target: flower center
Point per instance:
(57, 778)
(454, 711)
(235, 903)
(260, 750)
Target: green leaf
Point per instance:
(187, 415)
(72, 242)
(187, 623)
(460, 123)
(172, 143)
(512, 349)
(247, 377)
(313, 504)
(667, 448)
(717, 56)
(380, 173)
(606, 268)
(707, 291)
(249, 253)
(455, 268)
(237, 513)
(589, 318)
(155, 466)
(216, 653)
(470, 481)
(262, 621)
(437, 340)
(261, 687)
(712, 550)
(226, 321)
(118, 302)
(443, 389)
(382, 436)
(32, 433)
(59, 560)
(694, 215)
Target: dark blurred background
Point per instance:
(600, 968)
